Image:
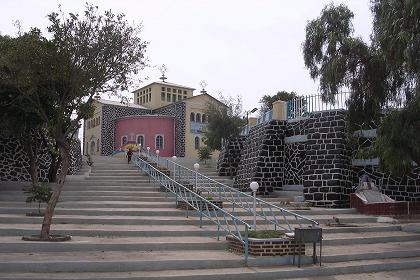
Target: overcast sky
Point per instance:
(245, 47)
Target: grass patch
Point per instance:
(265, 234)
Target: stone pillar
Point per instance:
(280, 110)
(327, 171)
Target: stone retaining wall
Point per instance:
(265, 247)
(262, 157)
(230, 156)
(14, 163)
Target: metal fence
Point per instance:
(277, 217)
(304, 105)
(205, 208)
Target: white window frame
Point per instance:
(163, 141)
(197, 144)
(144, 140)
(122, 139)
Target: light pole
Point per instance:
(196, 167)
(254, 187)
(157, 156)
(174, 160)
(250, 112)
(148, 152)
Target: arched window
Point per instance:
(159, 142)
(140, 140)
(198, 117)
(203, 118)
(192, 117)
(124, 140)
(197, 142)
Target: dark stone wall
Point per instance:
(230, 156)
(262, 157)
(405, 188)
(14, 163)
(176, 110)
(327, 176)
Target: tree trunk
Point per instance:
(64, 148)
(30, 144)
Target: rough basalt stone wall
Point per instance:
(295, 153)
(176, 110)
(14, 163)
(406, 188)
(327, 176)
(230, 156)
(109, 115)
(262, 157)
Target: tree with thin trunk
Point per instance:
(86, 55)
(383, 75)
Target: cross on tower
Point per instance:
(163, 70)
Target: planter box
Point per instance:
(266, 247)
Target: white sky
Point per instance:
(245, 47)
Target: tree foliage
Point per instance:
(267, 100)
(224, 121)
(86, 54)
(381, 75)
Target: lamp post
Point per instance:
(196, 167)
(250, 112)
(254, 187)
(157, 158)
(174, 160)
(148, 152)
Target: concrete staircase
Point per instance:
(124, 228)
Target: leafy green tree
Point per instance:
(381, 75)
(267, 100)
(86, 54)
(224, 121)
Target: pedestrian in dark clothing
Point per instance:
(129, 155)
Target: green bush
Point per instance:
(38, 193)
(204, 153)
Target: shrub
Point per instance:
(204, 153)
(39, 193)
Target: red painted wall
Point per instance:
(150, 127)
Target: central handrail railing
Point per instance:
(273, 214)
(224, 220)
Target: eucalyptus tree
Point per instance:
(382, 75)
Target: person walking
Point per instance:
(129, 155)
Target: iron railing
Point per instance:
(304, 105)
(276, 216)
(205, 208)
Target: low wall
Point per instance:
(266, 247)
(398, 208)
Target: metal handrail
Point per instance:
(269, 212)
(224, 220)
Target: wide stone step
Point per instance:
(12, 244)
(107, 211)
(117, 261)
(108, 220)
(352, 252)
(369, 238)
(230, 272)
